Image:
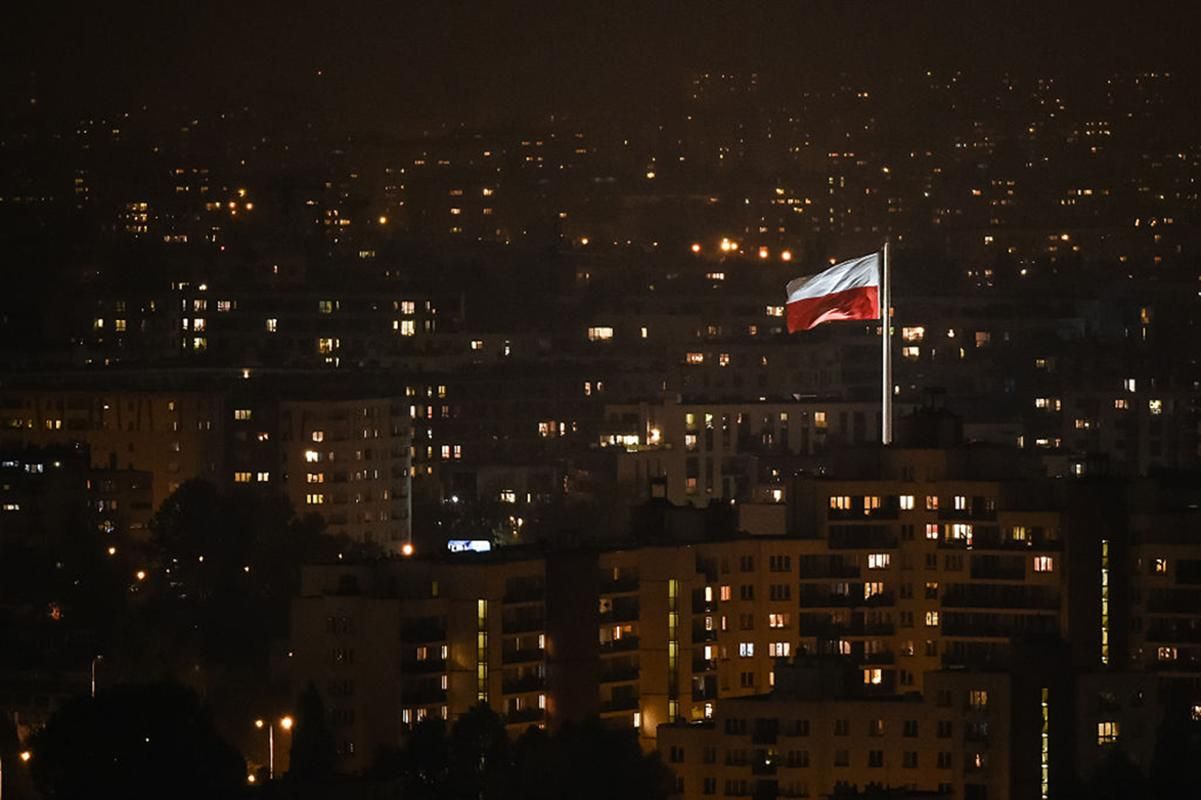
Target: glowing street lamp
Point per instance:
(285, 723)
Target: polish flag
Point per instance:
(850, 290)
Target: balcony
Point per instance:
(527, 656)
(619, 704)
(620, 614)
(528, 683)
(424, 666)
(622, 645)
(620, 674)
(524, 594)
(623, 585)
(525, 715)
(423, 697)
(523, 625)
(1002, 596)
(704, 664)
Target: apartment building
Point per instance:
(719, 451)
(348, 460)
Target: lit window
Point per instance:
(262, 477)
(775, 311)
(314, 477)
(873, 677)
(241, 477)
(1159, 566)
(1107, 732)
(913, 334)
(977, 699)
(819, 419)
(931, 502)
(746, 649)
(1121, 404)
(1044, 564)
(314, 499)
(477, 344)
(1155, 407)
(872, 588)
(878, 560)
(725, 593)
(960, 503)
(931, 619)
(1165, 653)
(840, 503)
(312, 456)
(778, 649)
(694, 358)
(906, 502)
(931, 530)
(911, 353)
(272, 325)
(600, 333)
(242, 413)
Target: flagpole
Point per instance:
(886, 345)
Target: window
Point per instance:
(906, 501)
(1044, 564)
(875, 758)
(600, 333)
(314, 499)
(406, 327)
(272, 325)
(944, 760)
(931, 530)
(873, 676)
(241, 477)
(840, 503)
(931, 619)
(778, 649)
(878, 560)
(262, 477)
(913, 334)
(909, 759)
(945, 729)
(909, 729)
(778, 620)
(1155, 407)
(977, 699)
(311, 456)
(242, 414)
(746, 649)
(842, 727)
(1166, 654)
(872, 589)
(931, 502)
(1107, 733)
(1159, 566)
(842, 758)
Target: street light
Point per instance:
(94, 660)
(285, 723)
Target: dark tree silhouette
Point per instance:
(135, 741)
(477, 760)
(478, 756)
(313, 755)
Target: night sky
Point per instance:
(379, 65)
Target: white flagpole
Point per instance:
(886, 345)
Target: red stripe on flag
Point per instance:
(859, 303)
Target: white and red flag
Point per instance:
(850, 290)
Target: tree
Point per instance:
(135, 741)
(313, 755)
(478, 758)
